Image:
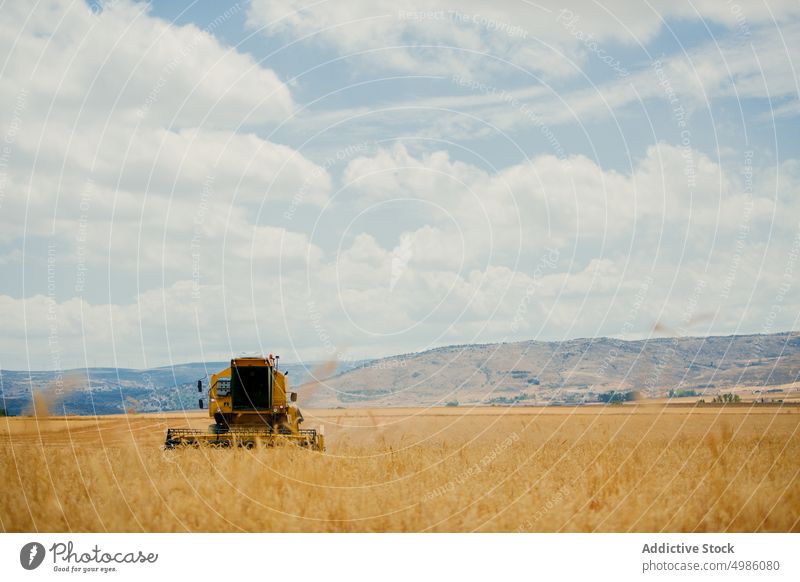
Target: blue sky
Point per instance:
(186, 181)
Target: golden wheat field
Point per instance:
(618, 468)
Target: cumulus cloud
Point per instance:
(80, 65)
(126, 180)
(582, 277)
(123, 143)
(591, 241)
(552, 200)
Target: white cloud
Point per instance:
(125, 64)
(470, 273)
(123, 142)
(122, 101)
(541, 37)
(743, 72)
(548, 200)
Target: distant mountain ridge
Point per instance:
(530, 372)
(116, 390)
(573, 371)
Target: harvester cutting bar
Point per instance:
(243, 437)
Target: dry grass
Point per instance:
(626, 468)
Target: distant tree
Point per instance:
(614, 397)
(3, 412)
(680, 393)
(727, 398)
(452, 403)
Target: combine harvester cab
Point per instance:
(250, 403)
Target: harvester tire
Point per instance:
(217, 428)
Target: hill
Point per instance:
(575, 371)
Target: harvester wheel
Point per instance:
(217, 428)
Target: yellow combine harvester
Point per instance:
(250, 403)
